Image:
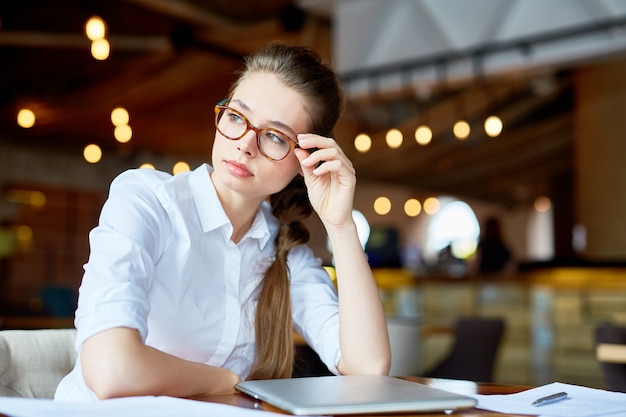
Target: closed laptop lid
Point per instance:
(353, 394)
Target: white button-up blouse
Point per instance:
(162, 262)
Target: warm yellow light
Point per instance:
(394, 138)
(123, 133)
(33, 198)
(412, 207)
(147, 165)
(461, 129)
(180, 167)
(92, 153)
(95, 28)
(542, 204)
(431, 205)
(37, 199)
(100, 49)
(23, 232)
(493, 126)
(26, 118)
(382, 206)
(423, 135)
(119, 116)
(362, 142)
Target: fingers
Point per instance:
(327, 157)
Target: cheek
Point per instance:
(280, 174)
(219, 144)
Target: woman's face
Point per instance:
(239, 166)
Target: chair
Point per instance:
(474, 351)
(610, 342)
(33, 362)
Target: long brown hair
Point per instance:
(302, 69)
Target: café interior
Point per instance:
(420, 79)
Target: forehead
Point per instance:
(268, 100)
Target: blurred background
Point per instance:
(457, 114)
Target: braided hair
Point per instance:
(302, 69)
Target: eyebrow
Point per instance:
(274, 123)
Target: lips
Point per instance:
(238, 169)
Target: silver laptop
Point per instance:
(354, 394)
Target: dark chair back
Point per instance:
(474, 351)
(614, 373)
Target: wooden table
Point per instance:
(461, 387)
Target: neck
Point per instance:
(241, 218)
(240, 211)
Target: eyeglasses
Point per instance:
(272, 143)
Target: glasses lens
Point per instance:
(274, 144)
(231, 123)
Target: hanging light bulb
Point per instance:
(394, 138)
(26, 118)
(123, 133)
(493, 126)
(119, 116)
(362, 142)
(95, 28)
(461, 130)
(92, 153)
(423, 135)
(100, 49)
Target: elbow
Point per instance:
(111, 364)
(379, 365)
(108, 380)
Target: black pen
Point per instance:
(550, 399)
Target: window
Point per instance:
(455, 224)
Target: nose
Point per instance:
(248, 143)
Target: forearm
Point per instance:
(117, 364)
(362, 327)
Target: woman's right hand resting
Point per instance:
(116, 363)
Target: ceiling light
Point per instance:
(100, 49)
(431, 205)
(362, 142)
(123, 133)
(92, 153)
(119, 116)
(461, 129)
(493, 126)
(26, 118)
(423, 135)
(181, 167)
(95, 28)
(394, 138)
(382, 206)
(412, 207)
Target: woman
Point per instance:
(196, 281)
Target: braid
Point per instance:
(301, 69)
(273, 322)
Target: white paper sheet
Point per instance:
(581, 402)
(124, 407)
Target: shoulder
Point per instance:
(137, 194)
(140, 178)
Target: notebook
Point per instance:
(353, 394)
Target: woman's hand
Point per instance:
(330, 178)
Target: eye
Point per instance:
(275, 138)
(235, 117)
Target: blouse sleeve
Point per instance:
(124, 248)
(315, 306)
